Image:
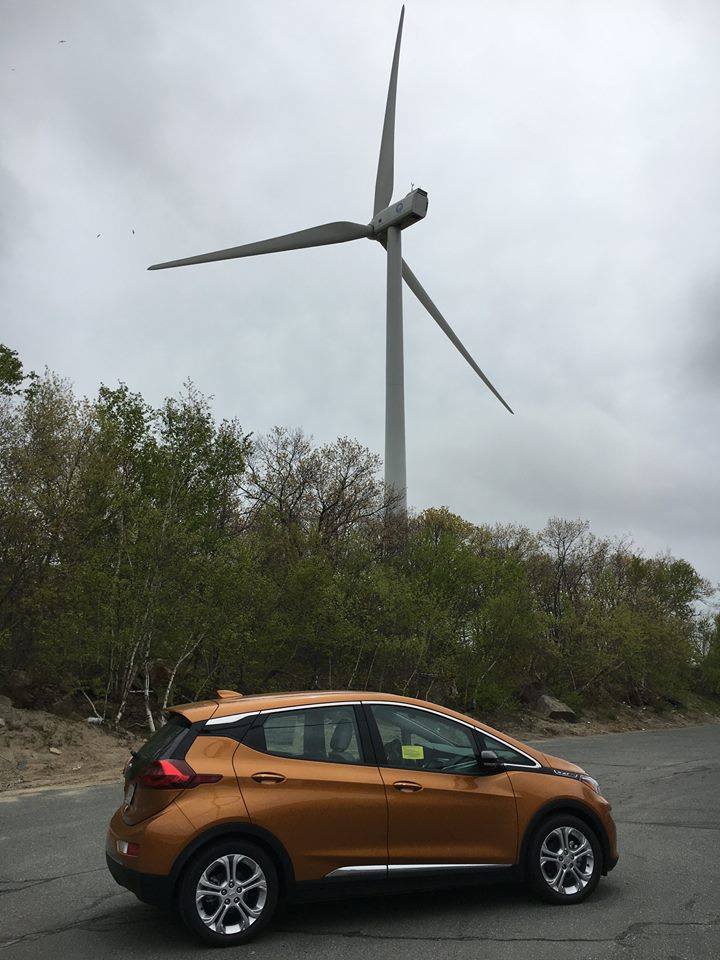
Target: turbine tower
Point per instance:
(388, 221)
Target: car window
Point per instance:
(163, 737)
(160, 744)
(506, 754)
(419, 740)
(314, 733)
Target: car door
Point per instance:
(443, 808)
(309, 777)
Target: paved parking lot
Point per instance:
(662, 901)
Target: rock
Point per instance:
(555, 709)
(94, 720)
(55, 750)
(64, 707)
(528, 693)
(19, 686)
(2, 722)
(8, 714)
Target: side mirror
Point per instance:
(490, 760)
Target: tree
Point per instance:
(150, 554)
(11, 372)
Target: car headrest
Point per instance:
(342, 735)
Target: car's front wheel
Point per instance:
(564, 859)
(228, 892)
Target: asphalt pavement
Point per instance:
(662, 901)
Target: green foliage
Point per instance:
(11, 372)
(709, 656)
(151, 555)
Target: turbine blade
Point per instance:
(386, 163)
(341, 231)
(412, 281)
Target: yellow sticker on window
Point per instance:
(412, 752)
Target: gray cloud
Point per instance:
(571, 155)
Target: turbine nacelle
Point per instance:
(403, 213)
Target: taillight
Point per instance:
(173, 775)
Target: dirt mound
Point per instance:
(39, 748)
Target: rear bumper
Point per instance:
(148, 887)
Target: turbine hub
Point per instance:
(402, 213)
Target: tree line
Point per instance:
(149, 555)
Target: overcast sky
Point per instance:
(571, 151)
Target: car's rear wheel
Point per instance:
(228, 892)
(564, 859)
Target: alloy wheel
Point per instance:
(231, 894)
(567, 860)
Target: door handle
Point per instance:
(407, 786)
(268, 777)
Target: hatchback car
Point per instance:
(239, 802)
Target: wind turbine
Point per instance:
(388, 220)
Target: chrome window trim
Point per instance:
(464, 723)
(230, 718)
(234, 717)
(310, 706)
(379, 868)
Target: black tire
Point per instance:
(580, 872)
(246, 912)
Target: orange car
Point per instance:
(241, 801)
